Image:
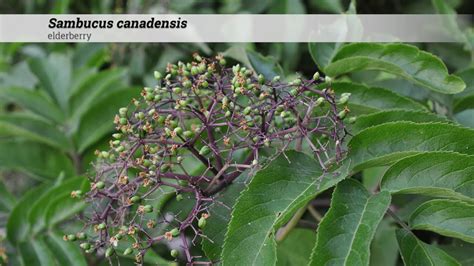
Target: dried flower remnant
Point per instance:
(225, 120)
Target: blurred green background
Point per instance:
(57, 102)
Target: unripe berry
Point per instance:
(135, 199)
(202, 222)
(148, 208)
(179, 197)
(123, 111)
(319, 101)
(85, 246)
(276, 78)
(194, 71)
(177, 90)
(158, 75)
(247, 110)
(316, 75)
(204, 150)
(100, 185)
(352, 119)
(128, 251)
(101, 226)
(187, 84)
(117, 136)
(109, 252)
(222, 62)
(81, 236)
(71, 238)
(178, 130)
(174, 232)
(123, 121)
(297, 82)
(174, 253)
(188, 134)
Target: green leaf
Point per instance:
(386, 143)
(66, 253)
(98, 120)
(267, 66)
(295, 249)
(375, 98)
(384, 247)
(258, 213)
(461, 251)
(220, 216)
(33, 101)
(415, 252)
(438, 174)
(55, 75)
(446, 217)
(333, 6)
(465, 118)
(345, 233)
(374, 119)
(7, 200)
(33, 128)
(17, 225)
(38, 160)
(403, 60)
(323, 53)
(94, 89)
(55, 205)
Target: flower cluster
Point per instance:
(194, 133)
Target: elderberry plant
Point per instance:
(229, 121)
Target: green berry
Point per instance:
(123, 111)
(109, 252)
(100, 185)
(174, 232)
(158, 75)
(81, 236)
(261, 79)
(316, 75)
(352, 119)
(222, 62)
(194, 70)
(177, 90)
(297, 82)
(293, 92)
(174, 253)
(276, 78)
(85, 246)
(202, 222)
(247, 110)
(148, 208)
(343, 100)
(188, 134)
(71, 237)
(178, 130)
(117, 136)
(204, 150)
(342, 114)
(135, 199)
(319, 101)
(179, 197)
(101, 226)
(123, 121)
(187, 84)
(128, 251)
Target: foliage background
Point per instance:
(57, 102)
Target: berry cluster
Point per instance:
(195, 132)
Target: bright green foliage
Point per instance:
(415, 252)
(446, 217)
(405, 61)
(258, 213)
(345, 233)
